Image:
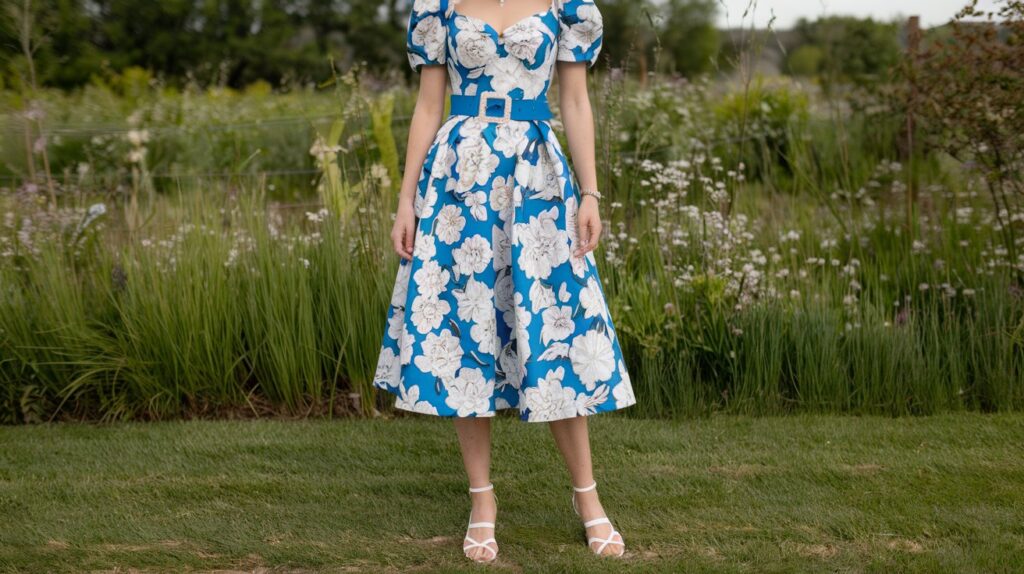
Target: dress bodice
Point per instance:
(517, 61)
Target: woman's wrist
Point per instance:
(591, 192)
(407, 198)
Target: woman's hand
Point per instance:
(403, 233)
(588, 225)
(426, 120)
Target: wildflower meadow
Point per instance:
(769, 249)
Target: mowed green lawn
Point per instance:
(728, 494)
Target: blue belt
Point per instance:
(496, 107)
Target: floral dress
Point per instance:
(494, 311)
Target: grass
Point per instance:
(725, 494)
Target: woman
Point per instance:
(498, 304)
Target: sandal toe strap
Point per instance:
(606, 541)
(482, 544)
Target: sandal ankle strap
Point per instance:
(585, 488)
(481, 488)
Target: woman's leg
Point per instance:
(573, 440)
(475, 441)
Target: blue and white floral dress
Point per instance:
(494, 311)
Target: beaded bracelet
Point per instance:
(594, 192)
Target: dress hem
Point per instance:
(613, 408)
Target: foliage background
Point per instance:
(179, 241)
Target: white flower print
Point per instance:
(409, 399)
(558, 324)
(395, 324)
(474, 45)
(423, 205)
(473, 256)
(401, 290)
(593, 358)
(593, 301)
(476, 163)
(505, 74)
(541, 296)
(510, 138)
(431, 279)
(511, 366)
(430, 33)
(446, 128)
(444, 159)
(449, 224)
(524, 38)
(545, 245)
(508, 74)
(563, 294)
(428, 312)
(477, 204)
(555, 351)
(425, 247)
(543, 178)
(405, 345)
(472, 128)
(501, 197)
(586, 404)
(502, 248)
(549, 400)
(388, 368)
(583, 34)
(517, 314)
(442, 355)
(475, 302)
(470, 393)
(623, 392)
(523, 318)
(484, 332)
(503, 291)
(424, 6)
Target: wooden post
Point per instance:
(913, 51)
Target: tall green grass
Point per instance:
(799, 283)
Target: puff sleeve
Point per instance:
(426, 39)
(581, 31)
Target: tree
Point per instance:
(852, 49)
(236, 42)
(689, 35)
(683, 29)
(805, 60)
(969, 85)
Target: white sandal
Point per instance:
(603, 520)
(482, 544)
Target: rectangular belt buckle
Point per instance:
(482, 111)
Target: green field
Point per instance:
(725, 494)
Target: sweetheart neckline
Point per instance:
(501, 34)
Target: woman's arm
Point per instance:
(578, 118)
(426, 120)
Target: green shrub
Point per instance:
(759, 124)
